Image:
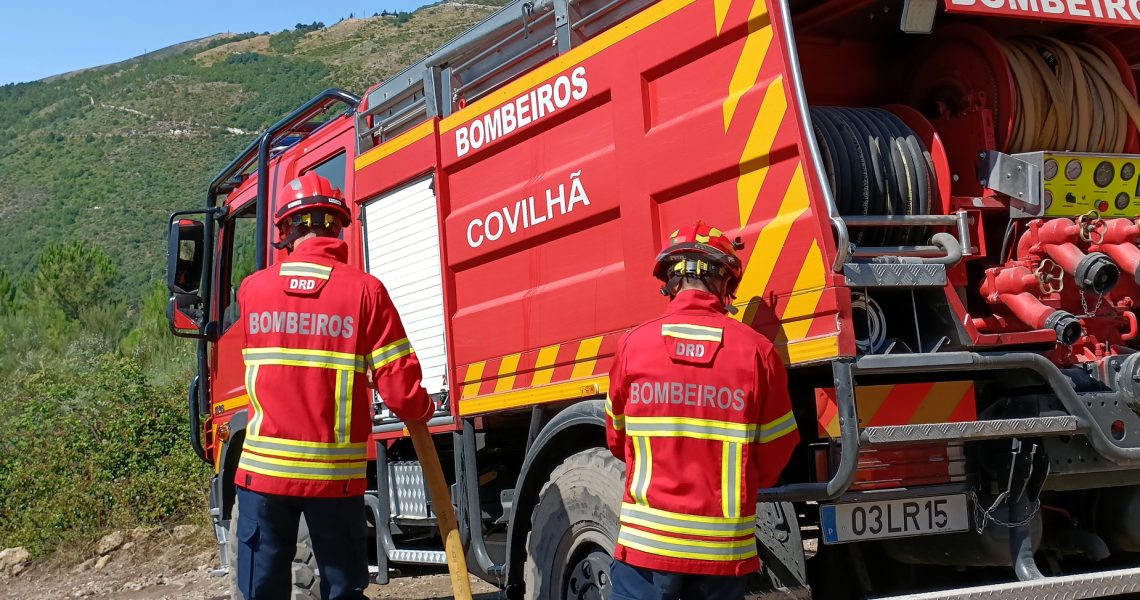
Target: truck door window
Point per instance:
(237, 258)
(333, 170)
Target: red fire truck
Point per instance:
(939, 203)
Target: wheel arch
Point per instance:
(578, 427)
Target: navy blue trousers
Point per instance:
(267, 542)
(636, 583)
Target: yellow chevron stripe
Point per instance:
(544, 365)
(941, 402)
(507, 370)
(870, 399)
(721, 8)
(771, 240)
(796, 320)
(474, 374)
(586, 358)
(754, 163)
(569, 390)
(751, 60)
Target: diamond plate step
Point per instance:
(970, 430)
(1068, 587)
(894, 275)
(419, 557)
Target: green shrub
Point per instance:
(91, 447)
(94, 410)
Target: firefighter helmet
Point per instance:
(701, 252)
(310, 192)
(310, 201)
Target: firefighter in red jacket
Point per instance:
(317, 331)
(699, 411)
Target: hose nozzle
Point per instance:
(1066, 326)
(1096, 273)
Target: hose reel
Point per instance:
(875, 165)
(1043, 93)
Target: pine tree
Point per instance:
(71, 277)
(7, 293)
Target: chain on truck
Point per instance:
(940, 202)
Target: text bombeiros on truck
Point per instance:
(528, 108)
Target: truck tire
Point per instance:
(574, 527)
(780, 546)
(306, 582)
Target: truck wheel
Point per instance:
(574, 528)
(780, 546)
(306, 582)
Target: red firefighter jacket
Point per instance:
(699, 411)
(315, 330)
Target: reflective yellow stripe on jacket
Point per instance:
(704, 429)
(250, 387)
(672, 522)
(642, 469)
(731, 467)
(302, 469)
(386, 354)
(343, 412)
(777, 428)
(294, 357)
(698, 333)
(675, 546)
(618, 420)
(287, 449)
(303, 269)
(280, 457)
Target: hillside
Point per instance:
(103, 155)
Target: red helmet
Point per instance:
(699, 251)
(308, 193)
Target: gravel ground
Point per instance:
(155, 566)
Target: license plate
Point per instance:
(855, 521)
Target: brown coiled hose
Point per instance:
(1070, 96)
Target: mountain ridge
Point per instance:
(159, 53)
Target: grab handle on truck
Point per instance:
(848, 448)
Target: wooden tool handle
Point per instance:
(441, 504)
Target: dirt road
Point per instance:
(154, 566)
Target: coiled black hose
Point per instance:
(876, 165)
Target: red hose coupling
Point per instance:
(1016, 287)
(1057, 239)
(1120, 240)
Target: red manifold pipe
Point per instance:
(1057, 239)
(1121, 237)
(1017, 287)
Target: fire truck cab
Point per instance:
(939, 202)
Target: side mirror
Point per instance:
(185, 257)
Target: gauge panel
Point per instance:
(1074, 184)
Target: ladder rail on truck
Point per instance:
(513, 188)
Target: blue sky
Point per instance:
(45, 38)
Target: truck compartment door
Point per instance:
(401, 248)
